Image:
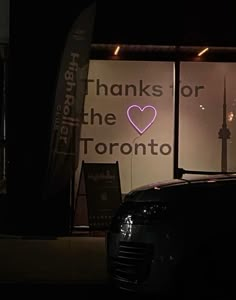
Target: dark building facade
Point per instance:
(37, 36)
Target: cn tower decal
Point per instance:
(224, 134)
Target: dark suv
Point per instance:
(176, 237)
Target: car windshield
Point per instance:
(143, 195)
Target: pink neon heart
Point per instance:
(148, 123)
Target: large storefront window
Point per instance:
(129, 118)
(207, 116)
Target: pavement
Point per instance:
(58, 266)
(70, 260)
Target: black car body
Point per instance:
(175, 236)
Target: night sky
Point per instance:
(132, 22)
(164, 22)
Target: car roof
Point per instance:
(187, 179)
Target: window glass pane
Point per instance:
(129, 118)
(207, 137)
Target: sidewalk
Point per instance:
(66, 260)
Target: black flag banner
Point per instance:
(68, 107)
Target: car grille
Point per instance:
(132, 265)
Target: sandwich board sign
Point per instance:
(99, 195)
